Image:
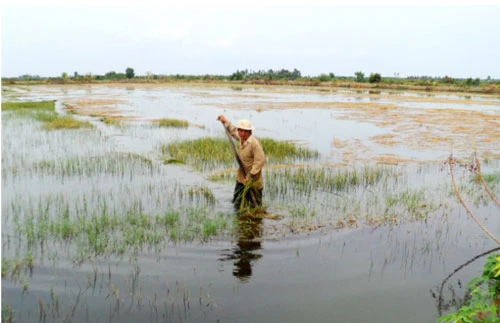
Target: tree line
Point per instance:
(266, 76)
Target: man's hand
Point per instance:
(222, 119)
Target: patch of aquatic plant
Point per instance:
(16, 268)
(41, 111)
(40, 105)
(212, 153)
(118, 164)
(201, 153)
(202, 192)
(280, 151)
(491, 179)
(413, 203)
(106, 233)
(66, 122)
(305, 180)
(44, 111)
(172, 123)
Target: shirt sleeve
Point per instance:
(233, 131)
(258, 159)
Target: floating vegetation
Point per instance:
(172, 123)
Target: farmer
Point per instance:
(252, 158)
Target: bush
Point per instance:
(483, 306)
(375, 78)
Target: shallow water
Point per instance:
(360, 274)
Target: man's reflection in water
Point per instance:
(249, 234)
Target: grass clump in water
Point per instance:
(66, 123)
(279, 151)
(211, 153)
(173, 123)
(40, 105)
(44, 111)
(305, 180)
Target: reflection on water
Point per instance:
(243, 253)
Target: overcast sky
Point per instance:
(101, 36)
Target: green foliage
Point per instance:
(448, 80)
(360, 76)
(114, 75)
(7, 315)
(40, 105)
(66, 123)
(375, 78)
(270, 74)
(324, 77)
(483, 306)
(129, 72)
(237, 76)
(211, 153)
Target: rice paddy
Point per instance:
(117, 210)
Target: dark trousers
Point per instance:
(239, 197)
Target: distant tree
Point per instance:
(375, 78)
(360, 76)
(110, 75)
(75, 75)
(237, 76)
(129, 72)
(448, 80)
(64, 75)
(324, 78)
(332, 76)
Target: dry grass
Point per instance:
(106, 109)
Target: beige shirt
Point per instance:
(251, 155)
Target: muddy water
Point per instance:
(360, 274)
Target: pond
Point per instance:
(376, 251)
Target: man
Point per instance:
(252, 157)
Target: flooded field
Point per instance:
(109, 223)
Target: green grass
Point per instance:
(40, 105)
(212, 153)
(117, 164)
(66, 123)
(307, 179)
(105, 233)
(44, 111)
(174, 123)
(492, 179)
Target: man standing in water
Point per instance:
(252, 158)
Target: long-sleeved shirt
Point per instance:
(251, 155)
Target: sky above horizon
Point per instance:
(96, 37)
